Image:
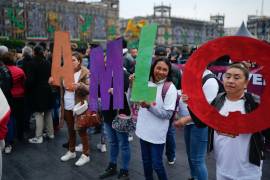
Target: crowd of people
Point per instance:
(26, 82)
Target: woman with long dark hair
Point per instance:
(153, 119)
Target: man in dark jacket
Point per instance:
(130, 60)
(26, 63)
(41, 94)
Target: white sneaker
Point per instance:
(36, 140)
(130, 138)
(69, 155)
(79, 148)
(102, 147)
(8, 149)
(45, 135)
(171, 162)
(83, 160)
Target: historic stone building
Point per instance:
(38, 19)
(181, 31)
(259, 26)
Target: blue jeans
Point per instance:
(152, 159)
(118, 140)
(196, 147)
(55, 111)
(170, 143)
(11, 130)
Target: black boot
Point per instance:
(110, 171)
(123, 174)
(65, 145)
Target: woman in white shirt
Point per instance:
(69, 100)
(153, 120)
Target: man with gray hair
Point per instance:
(25, 63)
(27, 53)
(3, 50)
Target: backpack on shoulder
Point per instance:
(164, 91)
(196, 120)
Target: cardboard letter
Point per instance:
(140, 90)
(62, 68)
(102, 75)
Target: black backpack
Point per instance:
(6, 82)
(221, 89)
(220, 85)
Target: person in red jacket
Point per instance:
(17, 92)
(4, 117)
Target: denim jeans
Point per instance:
(55, 111)
(170, 143)
(152, 159)
(118, 140)
(103, 134)
(196, 147)
(11, 130)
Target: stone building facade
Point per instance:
(38, 19)
(176, 31)
(259, 27)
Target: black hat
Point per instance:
(160, 51)
(175, 54)
(38, 50)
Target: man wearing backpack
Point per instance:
(196, 132)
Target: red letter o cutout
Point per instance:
(238, 48)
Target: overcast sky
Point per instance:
(235, 11)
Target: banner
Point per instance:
(256, 80)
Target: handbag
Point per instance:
(83, 117)
(134, 111)
(87, 119)
(123, 123)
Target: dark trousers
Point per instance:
(152, 159)
(170, 143)
(27, 113)
(18, 112)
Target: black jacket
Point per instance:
(110, 114)
(256, 140)
(37, 86)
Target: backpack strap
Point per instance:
(208, 76)
(220, 84)
(250, 103)
(165, 89)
